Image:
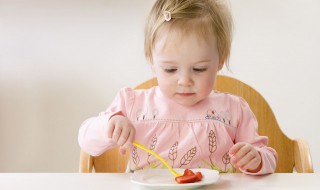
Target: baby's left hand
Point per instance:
(245, 157)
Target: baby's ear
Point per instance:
(152, 66)
(221, 64)
(150, 61)
(222, 59)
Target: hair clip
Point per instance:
(167, 15)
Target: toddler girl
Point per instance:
(186, 43)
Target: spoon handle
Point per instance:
(176, 174)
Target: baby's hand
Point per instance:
(121, 131)
(245, 157)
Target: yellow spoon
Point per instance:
(175, 173)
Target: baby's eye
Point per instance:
(170, 70)
(199, 69)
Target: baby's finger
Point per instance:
(122, 150)
(245, 159)
(243, 151)
(125, 133)
(130, 139)
(252, 164)
(235, 148)
(116, 133)
(110, 129)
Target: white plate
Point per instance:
(163, 178)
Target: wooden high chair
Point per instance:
(292, 154)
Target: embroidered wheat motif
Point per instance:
(226, 160)
(135, 157)
(152, 146)
(212, 144)
(186, 159)
(173, 152)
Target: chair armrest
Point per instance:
(303, 162)
(86, 162)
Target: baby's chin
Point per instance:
(188, 103)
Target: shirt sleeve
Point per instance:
(247, 132)
(92, 135)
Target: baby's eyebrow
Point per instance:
(198, 62)
(203, 61)
(167, 62)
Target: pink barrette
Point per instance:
(167, 15)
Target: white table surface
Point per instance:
(97, 181)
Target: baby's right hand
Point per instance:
(121, 131)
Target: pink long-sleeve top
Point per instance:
(187, 137)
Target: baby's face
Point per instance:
(185, 67)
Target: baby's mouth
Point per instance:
(186, 94)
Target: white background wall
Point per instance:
(62, 61)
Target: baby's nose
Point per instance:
(185, 80)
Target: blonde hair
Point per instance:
(208, 18)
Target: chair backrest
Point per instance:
(291, 153)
